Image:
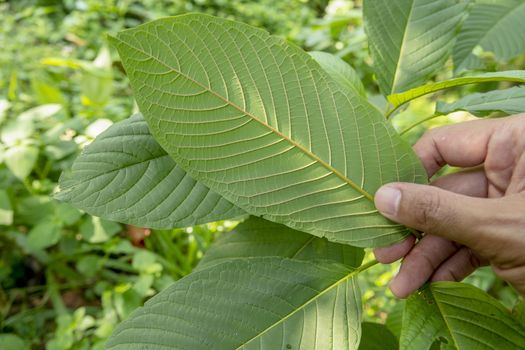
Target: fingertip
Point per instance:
(398, 287)
(387, 255)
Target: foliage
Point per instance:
(67, 278)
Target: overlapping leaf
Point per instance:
(125, 176)
(259, 237)
(255, 303)
(462, 316)
(340, 71)
(377, 336)
(259, 122)
(495, 26)
(508, 101)
(410, 40)
(404, 97)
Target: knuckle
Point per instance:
(428, 209)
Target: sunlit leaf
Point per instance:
(493, 26)
(404, 97)
(6, 210)
(125, 176)
(21, 159)
(259, 237)
(410, 40)
(509, 101)
(254, 303)
(460, 315)
(258, 121)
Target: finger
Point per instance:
(420, 264)
(467, 220)
(471, 182)
(387, 255)
(458, 266)
(461, 144)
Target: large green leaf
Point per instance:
(258, 121)
(125, 176)
(508, 101)
(495, 26)
(340, 71)
(460, 315)
(404, 97)
(259, 237)
(255, 303)
(410, 40)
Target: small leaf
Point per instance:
(340, 71)
(6, 211)
(13, 342)
(258, 121)
(509, 101)
(255, 303)
(21, 160)
(376, 336)
(125, 176)
(259, 237)
(494, 26)
(43, 235)
(96, 230)
(17, 131)
(410, 40)
(460, 315)
(404, 97)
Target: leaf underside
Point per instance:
(493, 26)
(508, 101)
(463, 316)
(125, 176)
(410, 40)
(254, 303)
(258, 237)
(258, 121)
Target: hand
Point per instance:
(470, 218)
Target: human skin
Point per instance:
(470, 218)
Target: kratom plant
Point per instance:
(236, 123)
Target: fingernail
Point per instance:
(387, 200)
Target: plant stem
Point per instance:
(418, 123)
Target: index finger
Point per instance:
(463, 144)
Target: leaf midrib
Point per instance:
(311, 300)
(272, 129)
(402, 48)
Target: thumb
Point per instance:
(439, 212)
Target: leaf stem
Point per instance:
(418, 123)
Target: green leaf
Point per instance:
(394, 320)
(96, 230)
(258, 121)
(259, 237)
(44, 234)
(6, 210)
(410, 40)
(494, 26)
(125, 176)
(255, 303)
(13, 342)
(404, 97)
(21, 159)
(460, 315)
(340, 71)
(508, 101)
(376, 336)
(519, 311)
(17, 131)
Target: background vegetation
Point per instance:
(67, 278)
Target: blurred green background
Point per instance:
(67, 278)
